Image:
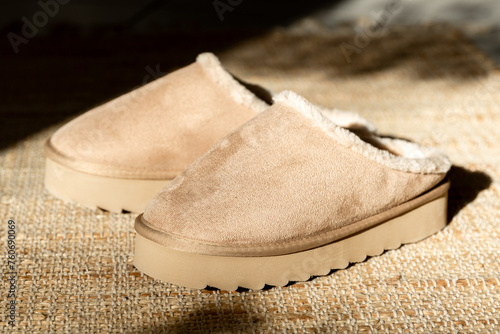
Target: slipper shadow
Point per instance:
(465, 187)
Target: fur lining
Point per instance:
(212, 66)
(220, 76)
(347, 119)
(413, 158)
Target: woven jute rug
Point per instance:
(73, 266)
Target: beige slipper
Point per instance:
(286, 196)
(119, 155)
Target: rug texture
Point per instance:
(74, 269)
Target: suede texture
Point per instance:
(290, 246)
(156, 131)
(275, 179)
(153, 132)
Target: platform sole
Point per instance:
(230, 272)
(93, 191)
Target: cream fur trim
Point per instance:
(347, 119)
(212, 66)
(220, 76)
(413, 158)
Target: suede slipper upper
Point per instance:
(286, 182)
(154, 133)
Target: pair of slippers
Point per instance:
(242, 188)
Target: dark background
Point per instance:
(92, 51)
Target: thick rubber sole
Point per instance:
(93, 191)
(228, 273)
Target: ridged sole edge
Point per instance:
(94, 191)
(228, 273)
